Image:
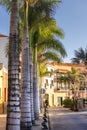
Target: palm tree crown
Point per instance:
(80, 56)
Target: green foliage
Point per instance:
(6, 4)
(80, 56)
(43, 71)
(67, 103)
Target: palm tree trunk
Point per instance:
(13, 107)
(25, 90)
(35, 85)
(31, 80)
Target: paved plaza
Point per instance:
(65, 119)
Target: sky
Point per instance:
(71, 17)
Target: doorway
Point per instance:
(59, 101)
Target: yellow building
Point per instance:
(3, 44)
(3, 67)
(3, 83)
(3, 88)
(56, 92)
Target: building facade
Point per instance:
(3, 83)
(3, 73)
(3, 45)
(57, 91)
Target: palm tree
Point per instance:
(44, 44)
(43, 9)
(80, 56)
(76, 77)
(65, 79)
(13, 107)
(26, 122)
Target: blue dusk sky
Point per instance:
(71, 16)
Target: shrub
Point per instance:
(67, 103)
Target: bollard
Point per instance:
(45, 119)
(45, 115)
(44, 125)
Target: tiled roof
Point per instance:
(2, 35)
(68, 64)
(62, 70)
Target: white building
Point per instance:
(3, 43)
(53, 92)
(48, 85)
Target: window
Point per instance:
(5, 94)
(47, 82)
(51, 72)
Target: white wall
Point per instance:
(3, 58)
(1, 82)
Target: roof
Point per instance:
(2, 35)
(68, 64)
(62, 70)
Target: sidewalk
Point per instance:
(37, 125)
(2, 121)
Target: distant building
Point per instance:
(48, 85)
(3, 43)
(57, 91)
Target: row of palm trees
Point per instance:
(34, 34)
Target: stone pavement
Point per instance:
(38, 123)
(63, 118)
(2, 121)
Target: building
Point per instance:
(57, 91)
(3, 73)
(3, 83)
(48, 85)
(3, 68)
(54, 91)
(3, 44)
(3, 88)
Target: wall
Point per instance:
(3, 58)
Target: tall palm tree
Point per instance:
(13, 107)
(30, 60)
(26, 122)
(80, 56)
(37, 44)
(41, 11)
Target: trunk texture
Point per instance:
(25, 90)
(31, 80)
(13, 109)
(25, 87)
(35, 86)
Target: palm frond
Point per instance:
(53, 44)
(49, 56)
(43, 70)
(6, 4)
